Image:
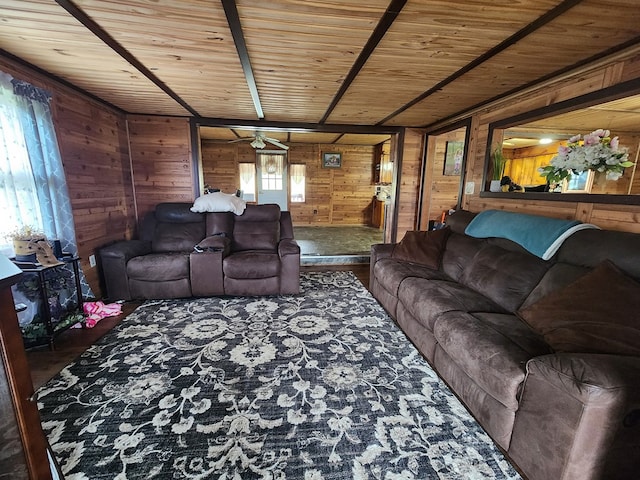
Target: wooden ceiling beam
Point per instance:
(541, 21)
(99, 32)
(294, 127)
(233, 19)
(384, 24)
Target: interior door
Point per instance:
(272, 177)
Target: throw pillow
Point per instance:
(219, 202)
(424, 248)
(597, 313)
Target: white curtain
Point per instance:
(18, 195)
(34, 189)
(297, 172)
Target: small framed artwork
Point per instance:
(453, 154)
(331, 160)
(579, 183)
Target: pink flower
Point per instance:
(574, 139)
(591, 139)
(614, 143)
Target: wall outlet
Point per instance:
(92, 260)
(469, 188)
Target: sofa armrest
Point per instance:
(215, 243)
(113, 261)
(289, 252)
(126, 250)
(288, 246)
(581, 413)
(378, 252)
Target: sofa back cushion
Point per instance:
(172, 227)
(588, 248)
(177, 237)
(597, 313)
(504, 276)
(258, 228)
(458, 254)
(558, 276)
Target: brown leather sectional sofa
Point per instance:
(180, 253)
(563, 400)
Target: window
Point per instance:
(272, 166)
(298, 177)
(248, 181)
(34, 191)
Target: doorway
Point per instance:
(272, 178)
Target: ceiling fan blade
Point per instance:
(241, 139)
(275, 142)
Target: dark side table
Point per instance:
(53, 326)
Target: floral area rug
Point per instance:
(320, 385)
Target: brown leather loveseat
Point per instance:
(180, 253)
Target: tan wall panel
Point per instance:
(161, 161)
(409, 182)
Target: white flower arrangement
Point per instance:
(596, 151)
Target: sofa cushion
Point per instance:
(492, 349)
(423, 248)
(558, 276)
(159, 267)
(427, 299)
(251, 264)
(390, 273)
(177, 237)
(504, 276)
(258, 228)
(458, 254)
(597, 313)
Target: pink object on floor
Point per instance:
(96, 311)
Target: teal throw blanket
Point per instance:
(540, 235)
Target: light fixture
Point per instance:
(258, 143)
(546, 141)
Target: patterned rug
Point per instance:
(321, 385)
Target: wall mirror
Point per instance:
(530, 140)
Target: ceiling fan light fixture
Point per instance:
(258, 143)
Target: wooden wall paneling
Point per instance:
(409, 182)
(427, 180)
(220, 165)
(334, 196)
(616, 217)
(353, 191)
(92, 139)
(160, 149)
(564, 210)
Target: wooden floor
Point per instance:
(45, 363)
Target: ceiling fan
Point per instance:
(259, 140)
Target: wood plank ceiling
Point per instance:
(317, 62)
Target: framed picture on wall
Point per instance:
(580, 183)
(331, 160)
(453, 154)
